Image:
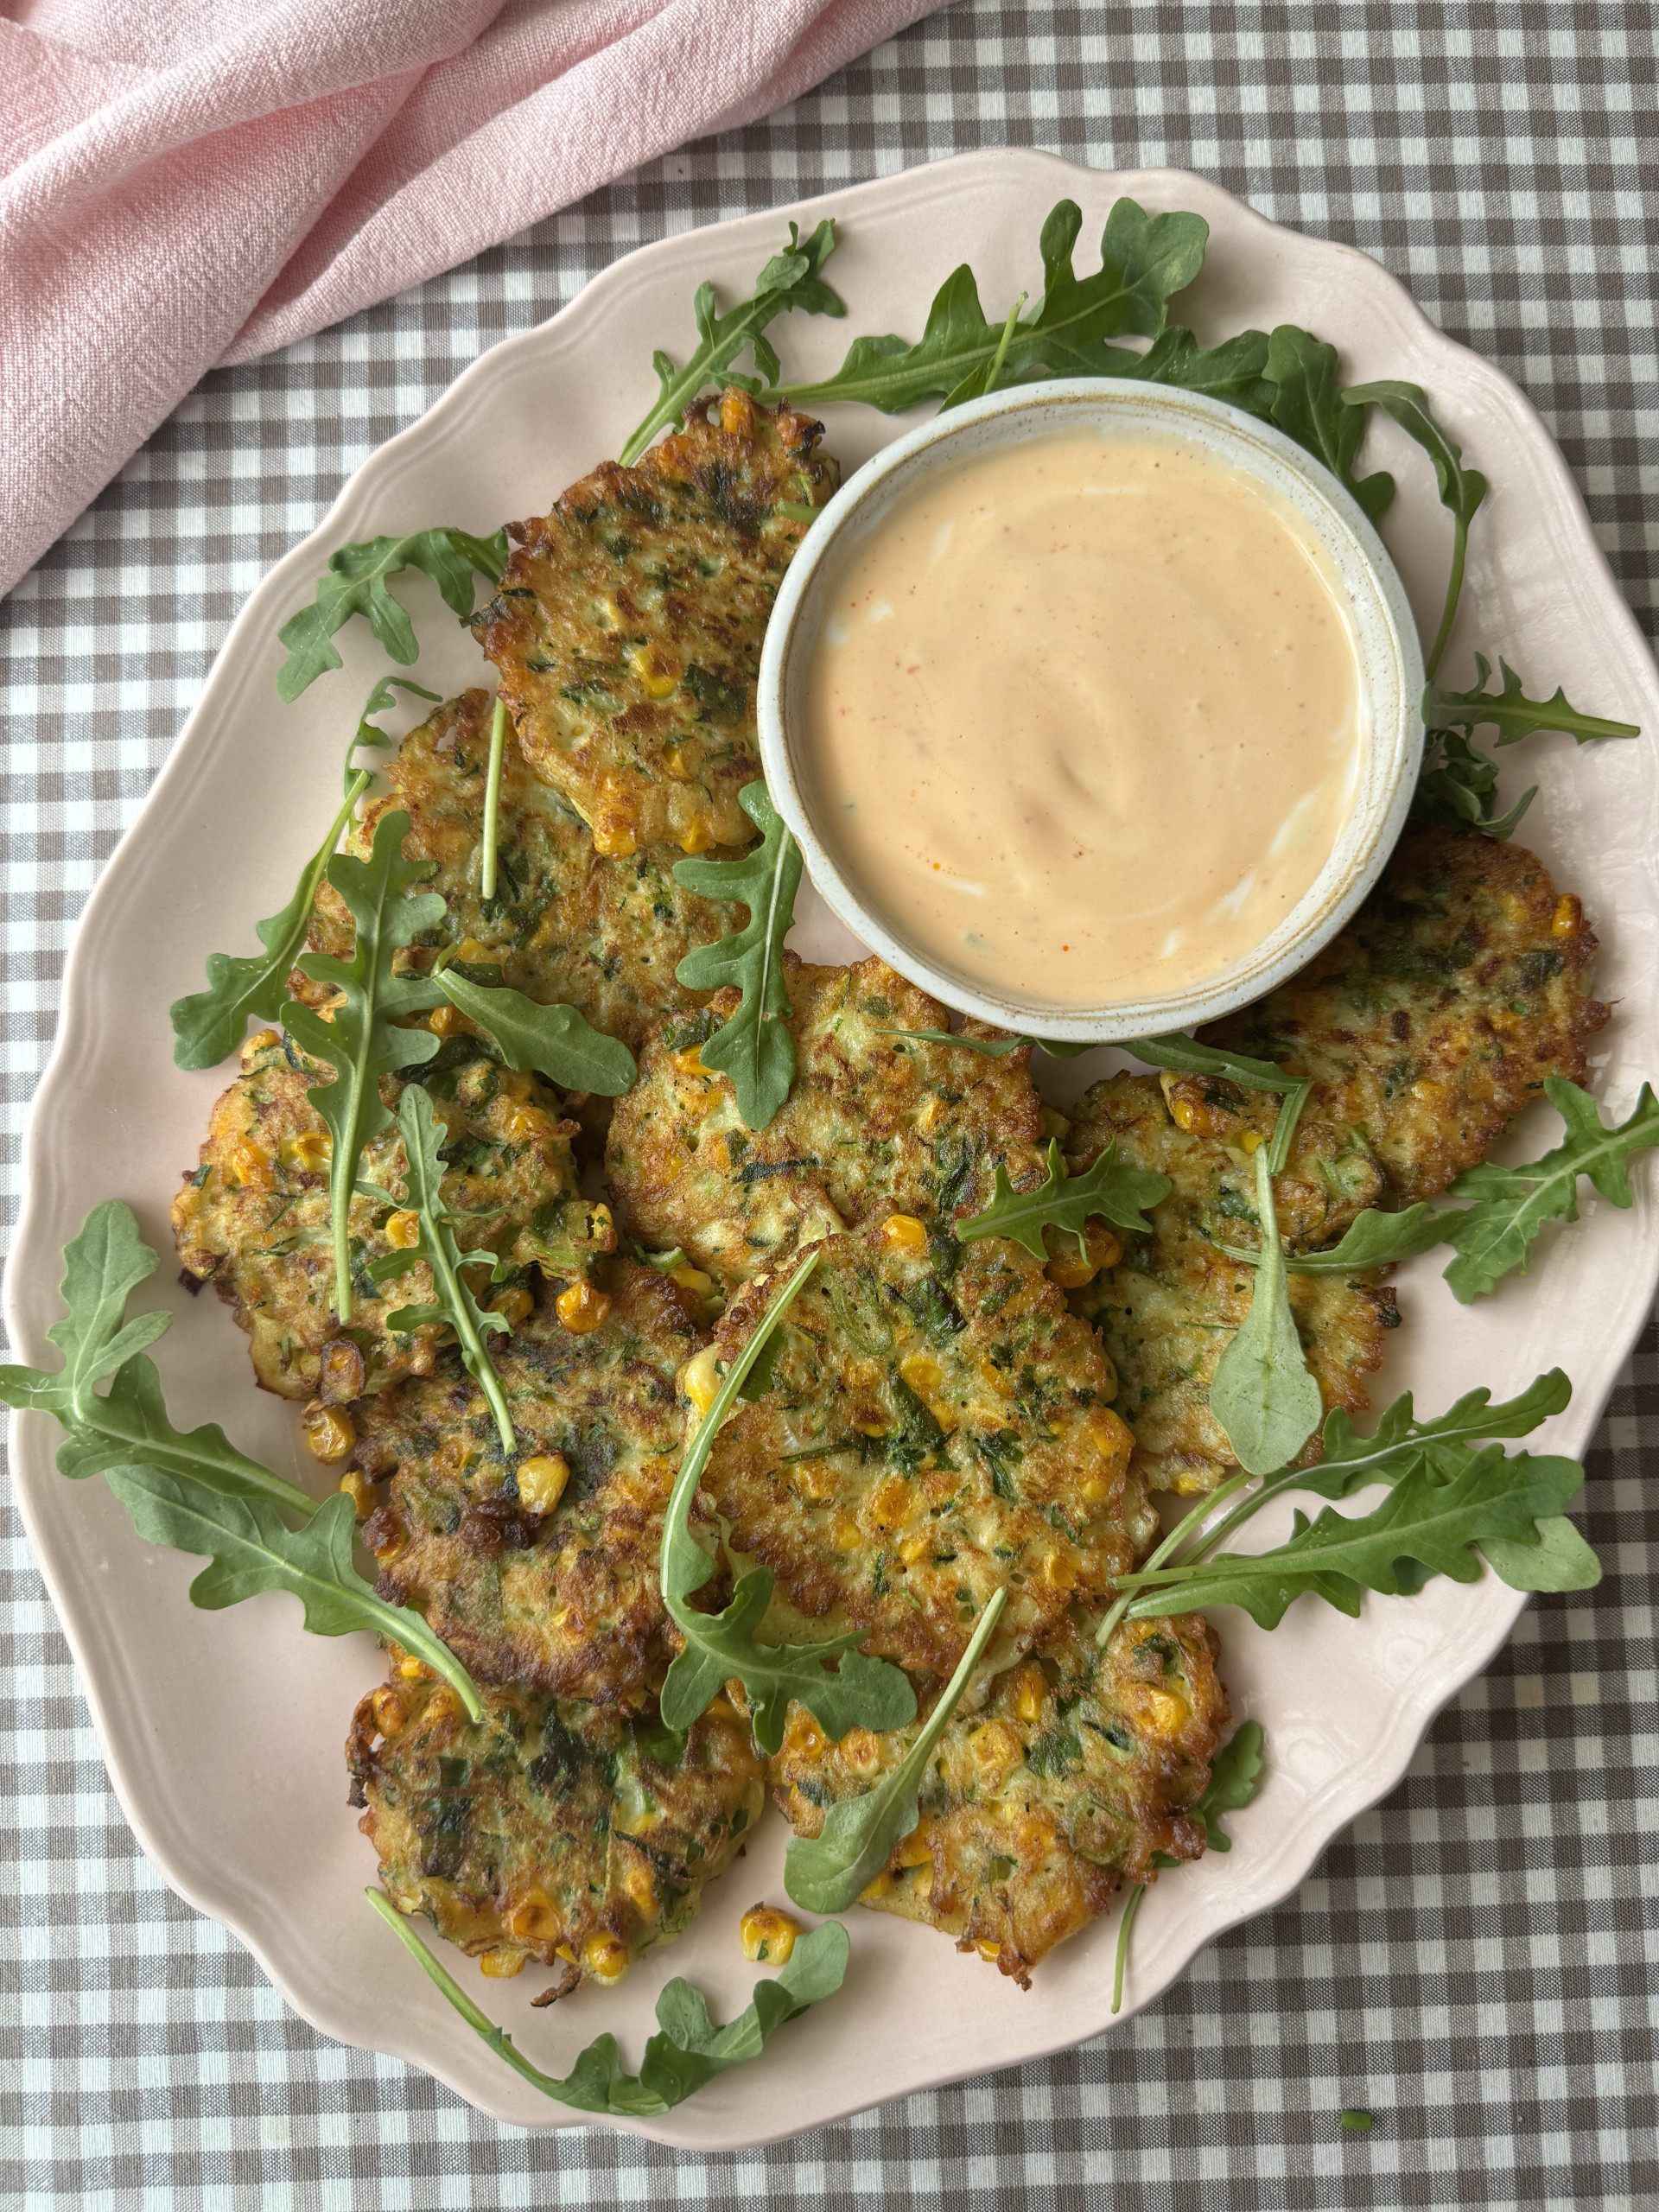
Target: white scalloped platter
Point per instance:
(223, 1731)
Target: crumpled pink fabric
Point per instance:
(184, 183)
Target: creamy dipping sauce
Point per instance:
(1082, 718)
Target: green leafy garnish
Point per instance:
(359, 1041)
(1066, 1202)
(790, 279)
(1233, 371)
(1512, 1203)
(193, 1489)
(1308, 406)
(1145, 260)
(1187, 1056)
(499, 722)
(1461, 489)
(1234, 1778)
(357, 582)
(556, 1041)
(1511, 713)
(208, 1025)
(1372, 1239)
(753, 1046)
(996, 1048)
(1261, 1394)
(368, 730)
(825, 1872)
(436, 1247)
(859, 1692)
(688, 2050)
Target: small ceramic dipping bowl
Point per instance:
(1390, 684)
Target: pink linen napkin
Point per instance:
(184, 183)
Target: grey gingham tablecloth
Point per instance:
(1474, 1961)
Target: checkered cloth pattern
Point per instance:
(1474, 1961)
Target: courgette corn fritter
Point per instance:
(550, 1831)
(1166, 1312)
(1036, 1807)
(1461, 983)
(875, 1123)
(539, 1569)
(566, 924)
(1435, 1018)
(253, 1219)
(932, 1425)
(628, 623)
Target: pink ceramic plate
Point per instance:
(223, 1731)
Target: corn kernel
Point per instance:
(502, 1963)
(915, 1550)
(563, 1951)
(861, 1749)
(1161, 1714)
(768, 1935)
(310, 1152)
(849, 1534)
(329, 1433)
(542, 1480)
(1429, 1092)
(992, 1951)
(693, 1280)
(261, 1041)
(930, 1114)
(1190, 1115)
(606, 1958)
(689, 1062)
(639, 1887)
(922, 1371)
(512, 1305)
(700, 1380)
(1568, 917)
(914, 1851)
(659, 669)
(615, 826)
(447, 1021)
(534, 1918)
(389, 1713)
(411, 1670)
(697, 838)
(600, 1224)
(357, 1487)
(582, 1308)
(902, 1233)
(470, 950)
(993, 1747)
(736, 412)
(524, 1124)
(1028, 1697)
(251, 1166)
(677, 761)
(1060, 1573)
(1070, 1268)
(443, 1704)
(403, 1231)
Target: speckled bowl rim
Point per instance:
(1391, 680)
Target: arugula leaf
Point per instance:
(208, 1025)
(859, 1693)
(1234, 1778)
(357, 582)
(995, 1048)
(500, 719)
(1457, 787)
(436, 1247)
(194, 1490)
(1234, 371)
(1425, 1522)
(1511, 713)
(1561, 1559)
(825, 1872)
(1372, 1239)
(102, 1265)
(1145, 259)
(253, 1549)
(754, 1045)
(1261, 1394)
(1400, 1442)
(556, 1041)
(1065, 1202)
(790, 279)
(1512, 1203)
(1187, 1056)
(689, 2049)
(379, 699)
(359, 1041)
(1461, 489)
(1308, 407)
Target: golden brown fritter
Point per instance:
(549, 1581)
(1168, 1310)
(1080, 1765)
(566, 926)
(628, 623)
(254, 1218)
(875, 1123)
(934, 1424)
(551, 1831)
(1459, 985)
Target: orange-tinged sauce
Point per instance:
(1084, 717)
